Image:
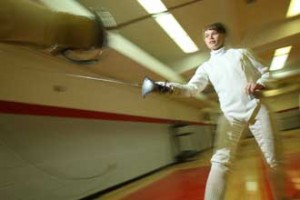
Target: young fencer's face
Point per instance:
(213, 39)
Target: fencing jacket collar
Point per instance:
(218, 52)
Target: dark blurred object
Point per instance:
(183, 143)
(31, 23)
(150, 86)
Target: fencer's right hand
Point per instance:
(164, 87)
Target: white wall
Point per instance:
(65, 158)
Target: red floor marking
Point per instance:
(293, 165)
(189, 184)
(179, 185)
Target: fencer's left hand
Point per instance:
(252, 87)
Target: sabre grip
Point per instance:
(164, 87)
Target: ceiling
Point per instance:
(260, 25)
(138, 47)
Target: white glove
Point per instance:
(164, 87)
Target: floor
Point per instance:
(248, 179)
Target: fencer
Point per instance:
(235, 75)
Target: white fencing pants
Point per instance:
(229, 134)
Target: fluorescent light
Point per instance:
(294, 8)
(170, 25)
(283, 51)
(153, 6)
(280, 57)
(278, 62)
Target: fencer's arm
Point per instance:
(196, 84)
(183, 90)
(262, 69)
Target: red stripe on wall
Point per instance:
(44, 110)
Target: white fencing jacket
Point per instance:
(229, 71)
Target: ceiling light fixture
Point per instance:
(169, 24)
(294, 8)
(279, 58)
(153, 7)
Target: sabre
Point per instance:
(105, 80)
